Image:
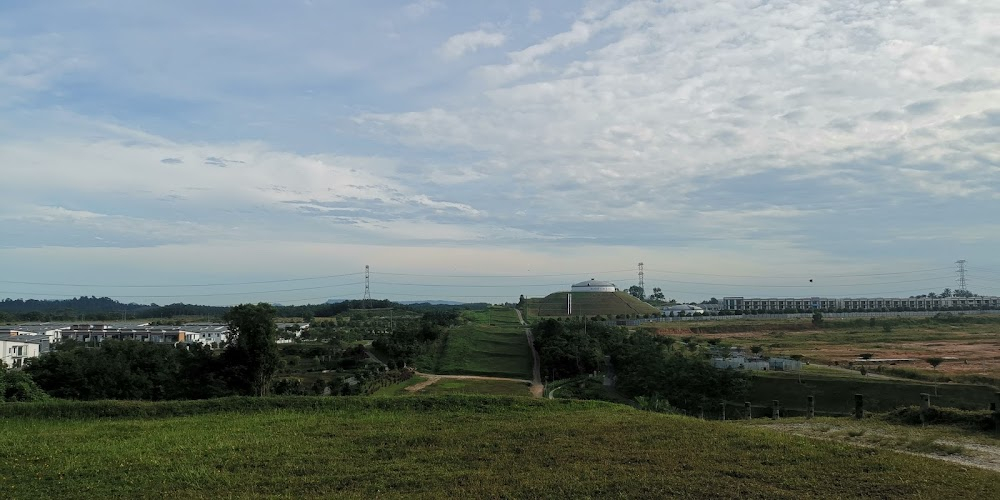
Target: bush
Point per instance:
(911, 415)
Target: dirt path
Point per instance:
(972, 454)
(433, 378)
(537, 388)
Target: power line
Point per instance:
(755, 285)
(801, 276)
(227, 294)
(96, 285)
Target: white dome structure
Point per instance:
(593, 285)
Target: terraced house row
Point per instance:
(859, 304)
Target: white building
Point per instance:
(861, 304)
(741, 362)
(15, 349)
(687, 309)
(204, 334)
(593, 285)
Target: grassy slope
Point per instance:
(590, 304)
(469, 447)
(836, 393)
(476, 348)
(453, 386)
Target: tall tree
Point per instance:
(252, 351)
(637, 292)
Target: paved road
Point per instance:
(537, 389)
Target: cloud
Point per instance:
(534, 15)
(421, 8)
(172, 161)
(463, 43)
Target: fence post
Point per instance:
(810, 406)
(775, 409)
(746, 408)
(859, 406)
(925, 406)
(723, 411)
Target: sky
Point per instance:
(241, 151)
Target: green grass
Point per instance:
(476, 348)
(399, 389)
(461, 447)
(490, 387)
(590, 304)
(457, 386)
(835, 394)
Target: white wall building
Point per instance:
(15, 349)
(870, 304)
(687, 309)
(593, 285)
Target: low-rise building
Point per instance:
(858, 304)
(15, 349)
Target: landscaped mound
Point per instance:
(457, 446)
(589, 304)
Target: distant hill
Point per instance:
(590, 304)
(434, 302)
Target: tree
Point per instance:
(637, 292)
(934, 362)
(16, 385)
(252, 352)
(817, 319)
(946, 293)
(657, 294)
(866, 356)
(757, 349)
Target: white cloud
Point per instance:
(463, 43)
(421, 8)
(534, 15)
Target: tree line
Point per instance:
(645, 365)
(127, 369)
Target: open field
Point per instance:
(969, 348)
(459, 446)
(589, 304)
(477, 348)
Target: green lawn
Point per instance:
(457, 386)
(491, 387)
(459, 447)
(399, 389)
(476, 348)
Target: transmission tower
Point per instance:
(368, 294)
(642, 284)
(961, 275)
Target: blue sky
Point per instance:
(735, 148)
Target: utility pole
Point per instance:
(367, 299)
(642, 284)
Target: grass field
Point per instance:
(465, 447)
(479, 348)
(589, 304)
(457, 386)
(835, 394)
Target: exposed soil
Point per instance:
(984, 456)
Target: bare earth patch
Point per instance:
(950, 449)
